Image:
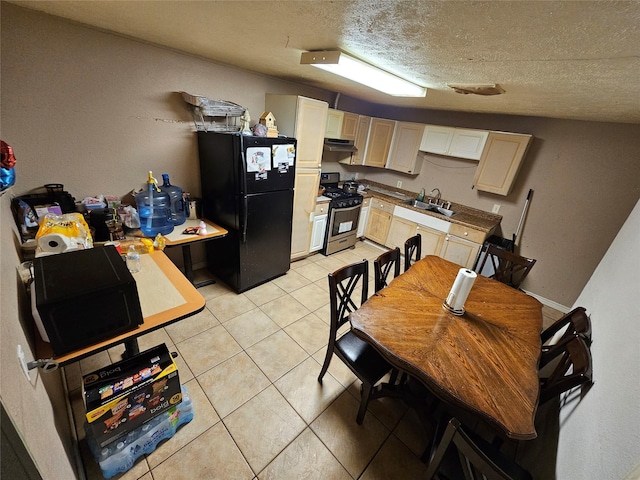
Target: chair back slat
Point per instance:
(568, 365)
(412, 251)
(383, 265)
(342, 285)
(478, 460)
(508, 267)
(576, 322)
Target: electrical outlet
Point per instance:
(496, 208)
(23, 362)
(399, 184)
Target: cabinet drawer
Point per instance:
(476, 236)
(366, 202)
(382, 205)
(322, 208)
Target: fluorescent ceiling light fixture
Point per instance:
(341, 64)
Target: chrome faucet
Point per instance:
(437, 196)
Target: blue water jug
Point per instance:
(178, 208)
(154, 209)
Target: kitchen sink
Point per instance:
(431, 207)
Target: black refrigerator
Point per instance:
(247, 187)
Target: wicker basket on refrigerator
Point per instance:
(214, 115)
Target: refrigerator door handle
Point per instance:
(243, 167)
(245, 215)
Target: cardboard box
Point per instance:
(126, 394)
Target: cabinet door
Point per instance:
(500, 162)
(334, 123)
(311, 121)
(378, 225)
(318, 232)
(364, 216)
(468, 143)
(460, 251)
(399, 231)
(436, 139)
(304, 202)
(404, 156)
(349, 126)
(362, 133)
(379, 142)
(431, 240)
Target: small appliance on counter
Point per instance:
(344, 213)
(83, 297)
(350, 186)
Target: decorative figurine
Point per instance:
(244, 123)
(269, 120)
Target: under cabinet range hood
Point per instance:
(338, 145)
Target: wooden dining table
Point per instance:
(484, 361)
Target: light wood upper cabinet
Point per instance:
(501, 161)
(362, 133)
(454, 142)
(405, 155)
(349, 126)
(341, 125)
(379, 142)
(334, 123)
(304, 119)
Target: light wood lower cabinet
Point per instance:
(459, 250)
(460, 245)
(380, 214)
(431, 240)
(399, 231)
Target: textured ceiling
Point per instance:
(563, 59)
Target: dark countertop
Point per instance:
(465, 216)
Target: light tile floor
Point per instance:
(250, 363)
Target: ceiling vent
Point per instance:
(488, 89)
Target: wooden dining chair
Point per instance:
(383, 266)
(508, 267)
(476, 459)
(576, 322)
(361, 358)
(412, 251)
(564, 366)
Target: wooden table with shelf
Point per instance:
(166, 296)
(177, 238)
(485, 361)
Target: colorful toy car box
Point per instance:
(126, 394)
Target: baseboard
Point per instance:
(549, 303)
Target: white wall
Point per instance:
(600, 436)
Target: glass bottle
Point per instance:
(133, 259)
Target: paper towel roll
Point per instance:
(56, 243)
(460, 291)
